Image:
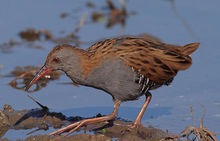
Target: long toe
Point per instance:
(73, 127)
(65, 129)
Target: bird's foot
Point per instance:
(131, 128)
(75, 126)
(71, 128)
(136, 125)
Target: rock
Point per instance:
(3, 119)
(4, 124)
(8, 108)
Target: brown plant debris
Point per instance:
(33, 34)
(114, 15)
(30, 35)
(90, 4)
(26, 74)
(63, 15)
(97, 16)
(200, 133)
(0, 69)
(6, 47)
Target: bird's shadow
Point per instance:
(51, 119)
(45, 113)
(35, 113)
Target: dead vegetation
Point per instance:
(30, 37)
(23, 75)
(193, 132)
(114, 15)
(33, 34)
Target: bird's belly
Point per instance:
(117, 79)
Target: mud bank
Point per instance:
(43, 119)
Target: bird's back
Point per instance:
(157, 61)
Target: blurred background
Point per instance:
(30, 29)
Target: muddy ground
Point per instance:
(43, 119)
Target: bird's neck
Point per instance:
(77, 66)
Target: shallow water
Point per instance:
(196, 21)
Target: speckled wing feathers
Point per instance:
(157, 61)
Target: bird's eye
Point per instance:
(56, 59)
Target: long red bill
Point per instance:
(43, 71)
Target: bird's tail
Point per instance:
(182, 60)
(189, 48)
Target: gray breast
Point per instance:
(117, 79)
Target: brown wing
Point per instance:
(101, 46)
(155, 60)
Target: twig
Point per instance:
(203, 115)
(183, 21)
(191, 112)
(42, 106)
(81, 22)
(200, 133)
(110, 4)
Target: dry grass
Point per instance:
(200, 133)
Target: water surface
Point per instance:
(195, 21)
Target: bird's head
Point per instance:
(62, 57)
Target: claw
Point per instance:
(136, 125)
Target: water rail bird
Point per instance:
(124, 67)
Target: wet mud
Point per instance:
(43, 119)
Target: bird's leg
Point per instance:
(137, 122)
(73, 127)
